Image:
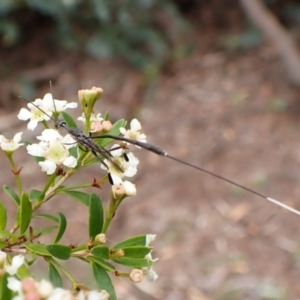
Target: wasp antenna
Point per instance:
(51, 91)
(38, 108)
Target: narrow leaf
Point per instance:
(102, 262)
(36, 195)
(3, 216)
(62, 227)
(134, 262)
(25, 212)
(139, 240)
(69, 120)
(96, 216)
(45, 230)
(5, 292)
(47, 217)
(79, 196)
(54, 276)
(136, 251)
(11, 194)
(38, 249)
(59, 251)
(103, 281)
(101, 251)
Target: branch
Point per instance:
(278, 35)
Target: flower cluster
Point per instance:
(29, 288)
(61, 156)
(43, 109)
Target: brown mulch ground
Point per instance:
(234, 116)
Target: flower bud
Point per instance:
(118, 253)
(87, 99)
(107, 126)
(118, 191)
(44, 288)
(136, 275)
(100, 239)
(96, 127)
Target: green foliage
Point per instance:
(146, 33)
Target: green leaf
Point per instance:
(5, 292)
(96, 217)
(59, 251)
(101, 251)
(139, 240)
(54, 276)
(23, 272)
(2, 245)
(38, 249)
(62, 227)
(25, 212)
(137, 263)
(6, 235)
(3, 216)
(136, 251)
(11, 194)
(69, 120)
(74, 151)
(103, 263)
(36, 195)
(103, 281)
(79, 196)
(46, 230)
(47, 217)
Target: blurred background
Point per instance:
(215, 83)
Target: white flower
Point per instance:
(134, 132)
(55, 105)
(15, 285)
(150, 238)
(16, 263)
(129, 167)
(152, 275)
(44, 288)
(130, 189)
(93, 295)
(11, 145)
(55, 149)
(35, 115)
(45, 112)
(61, 294)
(104, 295)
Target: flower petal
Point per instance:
(14, 284)
(48, 166)
(135, 125)
(70, 162)
(35, 150)
(32, 125)
(24, 114)
(17, 262)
